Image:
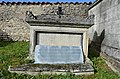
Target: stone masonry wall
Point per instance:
(12, 17)
(106, 30)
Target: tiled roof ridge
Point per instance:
(43, 3)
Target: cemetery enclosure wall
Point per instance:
(106, 30)
(12, 17)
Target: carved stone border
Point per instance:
(34, 29)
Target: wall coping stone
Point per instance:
(43, 3)
(94, 4)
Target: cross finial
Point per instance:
(60, 11)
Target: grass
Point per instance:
(15, 53)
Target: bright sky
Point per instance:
(47, 0)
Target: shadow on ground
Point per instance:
(5, 37)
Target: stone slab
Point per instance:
(33, 69)
(59, 39)
(45, 54)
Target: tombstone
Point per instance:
(60, 39)
(53, 37)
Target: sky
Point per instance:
(47, 0)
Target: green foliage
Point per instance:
(15, 53)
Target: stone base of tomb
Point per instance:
(34, 69)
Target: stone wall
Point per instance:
(12, 16)
(106, 31)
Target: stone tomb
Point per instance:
(59, 40)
